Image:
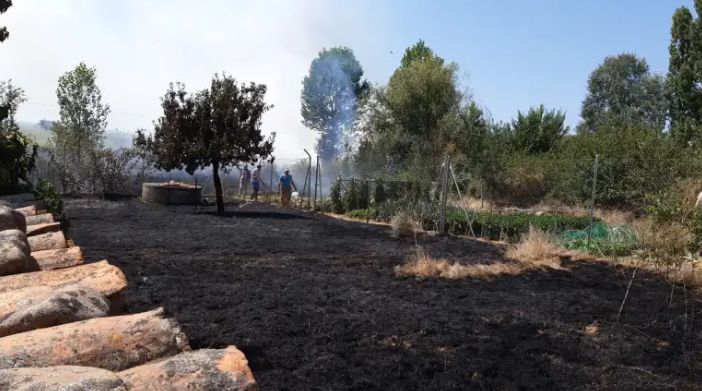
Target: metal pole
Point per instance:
(270, 193)
(592, 201)
(444, 188)
(309, 175)
(460, 196)
(316, 182)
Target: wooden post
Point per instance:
(444, 195)
(592, 201)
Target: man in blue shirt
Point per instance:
(285, 187)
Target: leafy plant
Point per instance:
(336, 200)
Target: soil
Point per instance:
(314, 304)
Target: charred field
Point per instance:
(315, 304)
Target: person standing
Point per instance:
(256, 182)
(244, 179)
(286, 185)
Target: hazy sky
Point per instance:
(513, 54)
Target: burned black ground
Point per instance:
(315, 305)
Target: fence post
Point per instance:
(592, 201)
(316, 182)
(444, 195)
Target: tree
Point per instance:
(330, 97)
(17, 152)
(419, 52)
(419, 96)
(538, 131)
(78, 135)
(622, 90)
(217, 127)
(685, 75)
(4, 6)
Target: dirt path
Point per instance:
(314, 304)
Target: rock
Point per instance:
(61, 378)
(12, 219)
(42, 306)
(113, 343)
(202, 370)
(13, 257)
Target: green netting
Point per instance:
(605, 240)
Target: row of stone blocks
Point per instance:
(62, 322)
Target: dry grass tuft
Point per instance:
(535, 246)
(403, 226)
(536, 251)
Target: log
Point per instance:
(47, 241)
(13, 257)
(60, 378)
(202, 370)
(28, 210)
(16, 236)
(114, 343)
(38, 229)
(11, 219)
(42, 306)
(100, 276)
(57, 259)
(39, 219)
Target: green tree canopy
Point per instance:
(77, 137)
(622, 90)
(17, 152)
(330, 97)
(685, 75)
(539, 130)
(216, 127)
(418, 52)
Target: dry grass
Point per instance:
(535, 246)
(403, 226)
(535, 251)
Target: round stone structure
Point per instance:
(171, 193)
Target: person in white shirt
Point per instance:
(244, 179)
(256, 182)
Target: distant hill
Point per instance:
(40, 132)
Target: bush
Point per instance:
(403, 226)
(663, 244)
(364, 196)
(47, 192)
(335, 196)
(379, 195)
(352, 196)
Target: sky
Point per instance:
(512, 54)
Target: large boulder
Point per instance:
(61, 378)
(13, 257)
(202, 370)
(42, 306)
(12, 219)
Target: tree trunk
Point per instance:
(100, 276)
(47, 241)
(28, 210)
(210, 369)
(42, 306)
(72, 378)
(38, 229)
(217, 186)
(113, 343)
(39, 219)
(59, 258)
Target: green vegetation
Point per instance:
(17, 152)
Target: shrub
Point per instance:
(403, 225)
(663, 244)
(47, 192)
(336, 200)
(352, 195)
(379, 195)
(364, 196)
